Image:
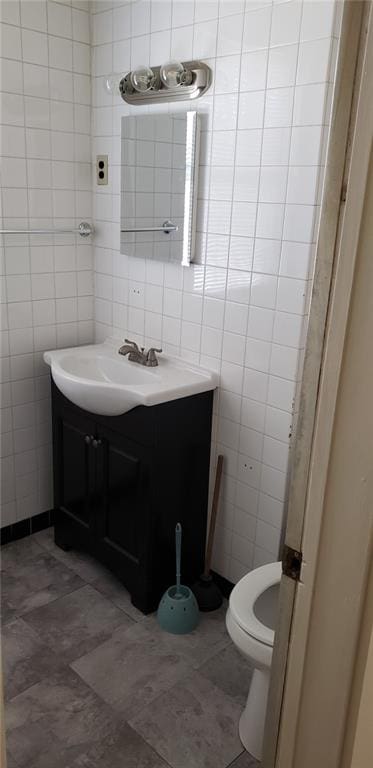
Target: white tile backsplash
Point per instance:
(241, 309)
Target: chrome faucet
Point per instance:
(136, 355)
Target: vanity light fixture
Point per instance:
(173, 81)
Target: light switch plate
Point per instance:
(102, 169)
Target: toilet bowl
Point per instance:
(251, 622)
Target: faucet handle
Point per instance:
(151, 356)
(133, 343)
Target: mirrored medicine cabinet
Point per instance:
(159, 177)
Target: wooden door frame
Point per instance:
(2, 719)
(344, 192)
(339, 555)
(358, 741)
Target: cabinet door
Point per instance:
(74, 472)
(122, 511)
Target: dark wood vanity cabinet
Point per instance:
(122, 483)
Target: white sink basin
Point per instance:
(101, 381)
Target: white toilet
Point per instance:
(251, 622)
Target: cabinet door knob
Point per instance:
(96, 442)
(87, 439)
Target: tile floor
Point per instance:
(92, 683)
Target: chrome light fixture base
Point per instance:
(201, 75)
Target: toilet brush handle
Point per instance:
(178, 556)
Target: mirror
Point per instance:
(159, 170)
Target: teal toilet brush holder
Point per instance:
(178, 611)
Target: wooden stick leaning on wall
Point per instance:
(207, 593)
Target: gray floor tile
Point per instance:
(125, 750)
(245, 761)
(45, 538)
(18, 552)
(127, 668)
(230, 672)
(192, 724)
(56, 721)
(80, 562)
(198, 646)
(93, 572)
(26, 659)
(112, 588)
(131, 669)
(78, 622)
(35, 582)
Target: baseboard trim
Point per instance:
(26, 527)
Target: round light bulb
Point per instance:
(112, 83)
(142, 78)
(173, 74)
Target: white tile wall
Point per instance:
(47, 288)
(241, 308)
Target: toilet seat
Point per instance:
(244, 595)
